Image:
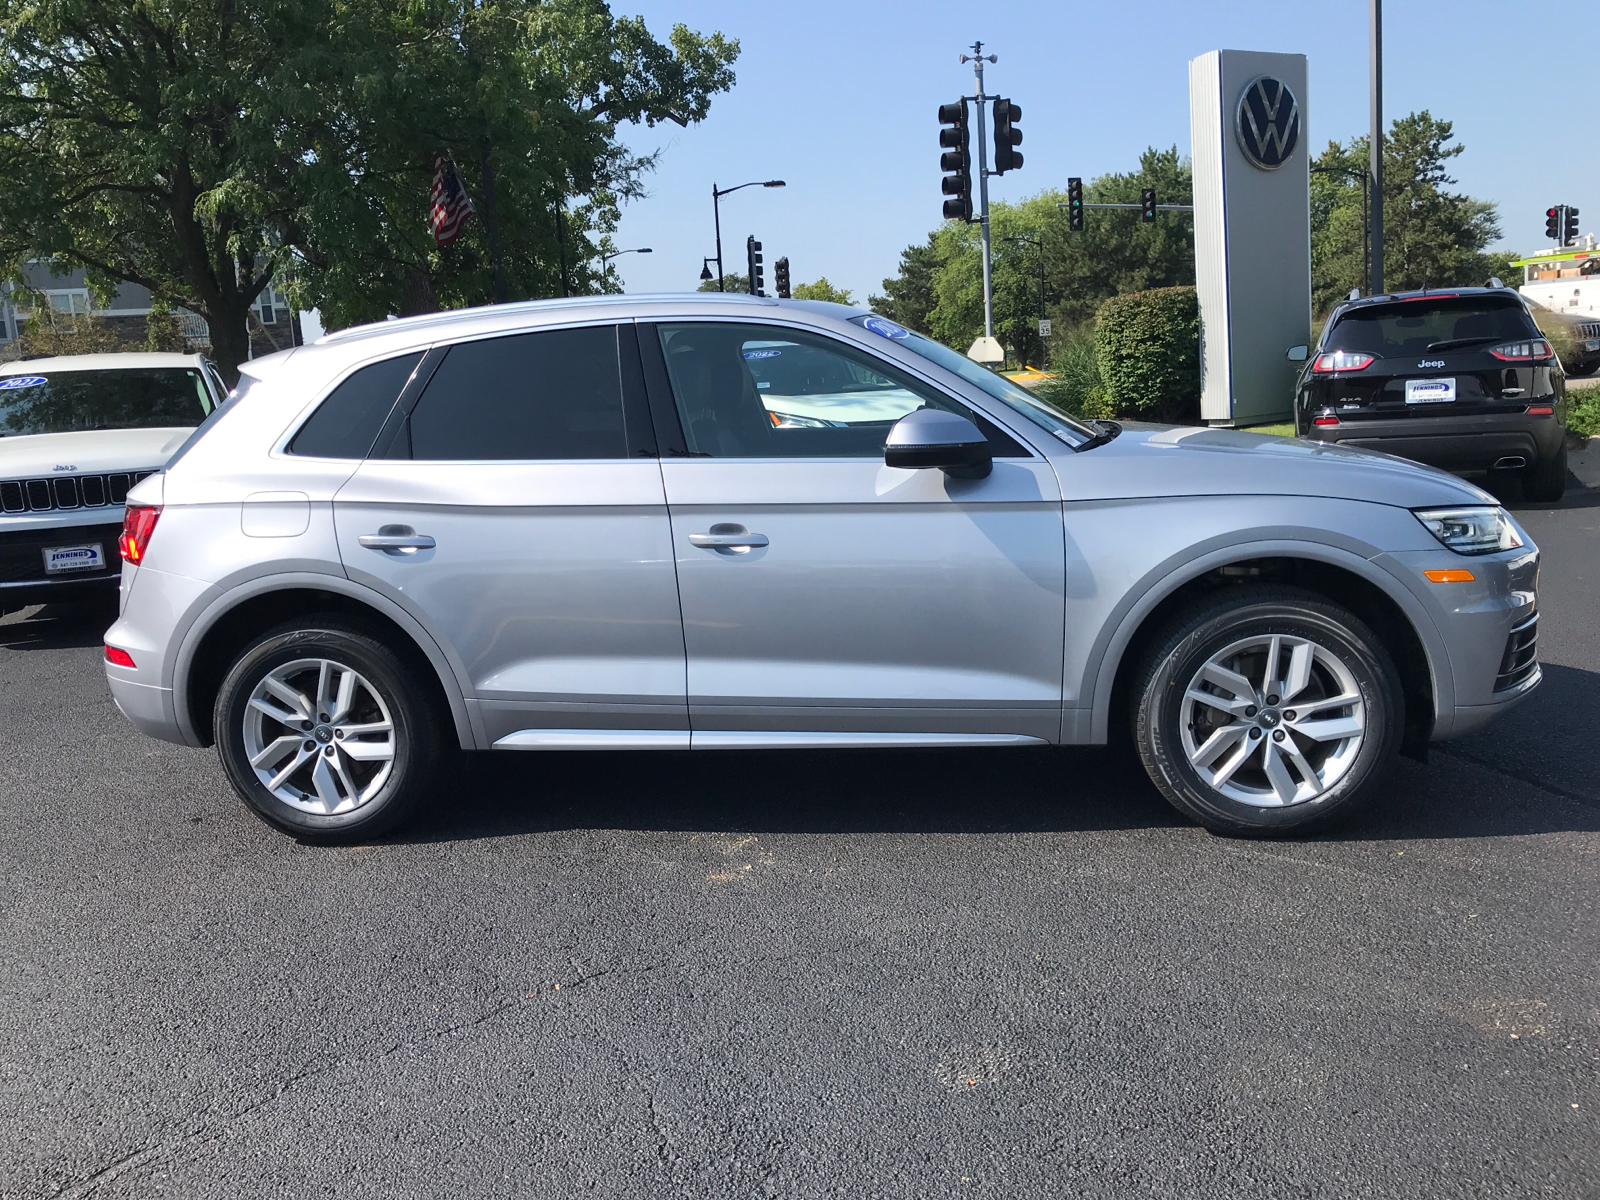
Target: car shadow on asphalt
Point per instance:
(56, 626)
(1062, 790)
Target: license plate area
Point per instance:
(1430, 391)
(64, 560)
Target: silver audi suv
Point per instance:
(718, 522)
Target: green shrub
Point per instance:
(1583, 411)
(1076, 388)
(1147, 348)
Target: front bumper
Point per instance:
(24, 580)
(1455, 443)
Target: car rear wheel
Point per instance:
(321, 733)
(1546, 480)
(1268, 710)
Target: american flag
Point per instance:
(451, 207)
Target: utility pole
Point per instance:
(1375, 141)
(977, 59)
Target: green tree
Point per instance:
(1432, 236)
(730, 283)
(822, 290)
(198, 147)
(526, 97)
(909, 296)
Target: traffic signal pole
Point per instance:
(983, 192)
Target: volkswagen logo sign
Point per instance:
(1268, 122)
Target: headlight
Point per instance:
(1471, 530)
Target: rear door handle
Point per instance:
(717, 541)
(396, 541)
(729, 538)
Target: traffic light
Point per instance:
(1075, 205)
(1147, 204)
(956, 162)
(780, 277)
(1006, 137)
(1569, 228)
(752, 254)
(1553, 222)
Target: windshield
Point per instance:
(1417, 326)
(998, 386)
(132, 398)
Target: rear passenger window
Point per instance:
(550, 395)
(347, 422)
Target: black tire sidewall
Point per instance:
(1191, 643)
(415, 734)
(1546, 480)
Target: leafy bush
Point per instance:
(1583, 411)
(1076, 388)
(1147, 348)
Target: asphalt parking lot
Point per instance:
(953, 973)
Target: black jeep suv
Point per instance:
(1459, 378)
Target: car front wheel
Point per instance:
(323, 734)
(1267, 710)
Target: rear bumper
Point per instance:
(1455, 443)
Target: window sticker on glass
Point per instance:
(23, 381)
(884, 328)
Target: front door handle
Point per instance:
(405, 543)
(734, 538)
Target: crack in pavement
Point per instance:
(165, 1151)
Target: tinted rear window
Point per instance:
(347, 422)
(551, 395)
(1432, 325)
(47, 401)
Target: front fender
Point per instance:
(1099, 661)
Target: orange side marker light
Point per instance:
(1454, 575)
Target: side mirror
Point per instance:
(1298, 353)
(931, 437)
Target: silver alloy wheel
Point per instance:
(1272, 720)
(318, 736)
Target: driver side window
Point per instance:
(762, 391)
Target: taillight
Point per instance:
(118, 657)
(138, 523)
(1541, 410)
(1522, 351)
(1340, 360)
(1325, 420)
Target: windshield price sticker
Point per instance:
(884, 328)
(1430, 391)
(762, 353)
(22, 381)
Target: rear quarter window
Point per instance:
(347, 423)
(1424, 326)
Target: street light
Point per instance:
(1038, 245)
(705, 269)
(716, 216)
(605, 259)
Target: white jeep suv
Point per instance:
(75, 434)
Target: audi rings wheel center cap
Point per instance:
(1268, 718)
(323, 734)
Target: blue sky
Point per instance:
(840, 100)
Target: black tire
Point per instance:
(1546, 481)
(1352, 657)
(386, 680)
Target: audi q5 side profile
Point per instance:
(718, 522)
